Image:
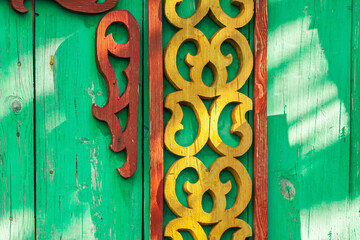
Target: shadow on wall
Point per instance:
(309, 119)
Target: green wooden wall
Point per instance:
(54, 141)
(58, 178)
(313, 119)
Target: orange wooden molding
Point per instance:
(260, 120)
(156, 118)
(128, 138)
(81, 6)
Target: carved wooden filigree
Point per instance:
(222, 92)
(81, 6)
(192, 218)
(126, 139)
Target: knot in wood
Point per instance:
(16, 106)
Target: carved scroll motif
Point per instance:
(222, 92)
(81, 6)
(18, 5)
(126, 139)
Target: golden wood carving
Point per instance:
(191, 218)
(191, 93)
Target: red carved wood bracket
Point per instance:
(81, 6)
(126, 139)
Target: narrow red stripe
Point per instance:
(156, 118)
(260, 120)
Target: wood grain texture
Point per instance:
(355, 124)
(260, 173)
(16, 125)
(156, 157)
(222, 92)
(309, 59)
(126, 139)
(80, 193)
(81, 6)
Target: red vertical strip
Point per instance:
(156, 118)
(260, 120)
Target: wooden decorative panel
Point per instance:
(82, 6)
(121, 139)
(222, 93)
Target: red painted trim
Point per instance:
(18, 6)
(156, 118)
(87, 6)
(121, 139)
(81, 6)
(260, 120)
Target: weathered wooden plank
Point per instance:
(16, 125)
(80, 195)
(156, 157)
(309, 119)
(355, 124)
(260, 120)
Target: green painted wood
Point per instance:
(355, 125)
(80, 195)
(313, 104)
(309, 119)
(187, 136)
(16, 125)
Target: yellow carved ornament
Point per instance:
(222, 92)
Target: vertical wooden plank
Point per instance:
(80, 193)
(355, 124)
(260, 120)
(155, 117)
(309, 119)
(16, 125)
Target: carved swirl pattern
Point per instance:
(121, 139)
(81, 6)
(222, 92)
